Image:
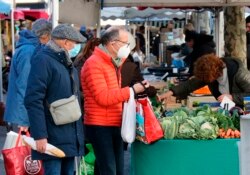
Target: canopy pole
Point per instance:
(13, 26)
(146, 39)
(55, 13)
(98, 24)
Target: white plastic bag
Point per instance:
(10, 141)
(129, 119)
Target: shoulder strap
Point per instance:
(71, 70)
(73, 83)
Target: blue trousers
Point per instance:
(108, 149)
(63, 166)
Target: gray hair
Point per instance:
(111, 34)
(41, 27)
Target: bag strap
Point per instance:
(18, 141)
(72, 82)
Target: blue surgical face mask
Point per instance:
(74, 52)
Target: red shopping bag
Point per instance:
(148, 127)
(17, 160)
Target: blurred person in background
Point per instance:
(201, 44)
(83, 32)
(187, 47)
(141, 39)
(29, 42)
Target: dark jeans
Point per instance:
(64, 166)
(108, 149)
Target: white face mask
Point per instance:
(123, 52)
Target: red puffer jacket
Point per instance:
(103, 95)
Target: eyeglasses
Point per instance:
(123, 42)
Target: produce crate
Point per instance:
(192, 99)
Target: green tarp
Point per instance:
(186, 157)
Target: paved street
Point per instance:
(2, 139)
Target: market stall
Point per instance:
(196, 141)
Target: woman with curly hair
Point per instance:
(224, 77)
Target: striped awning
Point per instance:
(159, 23)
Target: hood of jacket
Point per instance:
(26, 37)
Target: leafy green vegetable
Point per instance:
(202, 123)
(169, 126)
(236, 119)
(208, 131)
(187, 130)
(223, 119)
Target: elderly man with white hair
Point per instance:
(29, 41)
(103, 99)
(52, 103)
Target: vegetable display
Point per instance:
(201, 123)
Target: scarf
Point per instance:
(116, 61)
(51, 44)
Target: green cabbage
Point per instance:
(208, 131)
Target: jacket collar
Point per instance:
(62, 54)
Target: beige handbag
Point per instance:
(66, 110)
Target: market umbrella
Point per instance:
(5, 6)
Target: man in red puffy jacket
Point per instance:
(103, 98)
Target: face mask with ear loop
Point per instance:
(123, 51)
(74, 51)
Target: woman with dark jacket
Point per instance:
(82, 57)
(224, 77)
(131, 74)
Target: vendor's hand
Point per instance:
(41, 145)
(220, 98)
(138, 87)
(23, 128)
(166, 96)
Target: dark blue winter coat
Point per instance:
(49, 80)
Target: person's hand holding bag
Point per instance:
(140, 87)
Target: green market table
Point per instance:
(185, 157)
